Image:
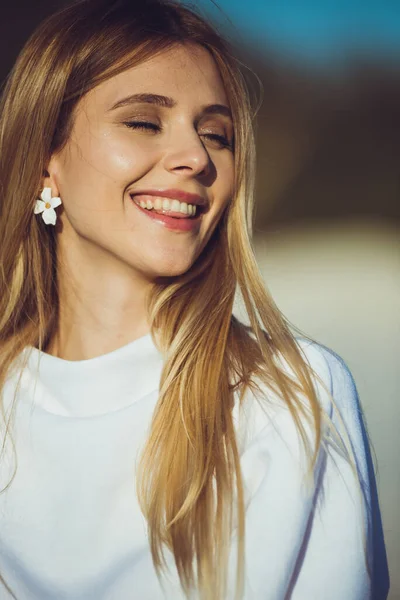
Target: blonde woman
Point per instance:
(153, 446)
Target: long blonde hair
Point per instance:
(190, 467)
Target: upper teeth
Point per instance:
(159, 203)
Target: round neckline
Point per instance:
(120, 352)
(94, 386)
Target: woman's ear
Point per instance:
(48, 179)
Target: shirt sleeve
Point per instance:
(343, 553)
(323, 542)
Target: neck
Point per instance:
(102, 305)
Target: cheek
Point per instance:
(93, 180)
(110, 160)
(225, 181)
(121, 155)
(93, 173)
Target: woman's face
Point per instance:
(183, 147)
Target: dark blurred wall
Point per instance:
(328, 145)
(17, 20)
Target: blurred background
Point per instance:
(326, 231)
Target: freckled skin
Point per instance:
(105, 159)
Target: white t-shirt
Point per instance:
(70, 523)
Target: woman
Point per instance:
(154, 446)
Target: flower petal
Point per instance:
(55, 202)
(39, 206)
(49, 216)
(46, 194)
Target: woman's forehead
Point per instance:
(186, 74)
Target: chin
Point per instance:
(167, 269)
(173, 270)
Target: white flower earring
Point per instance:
(46, 206)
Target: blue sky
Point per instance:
(317, 32)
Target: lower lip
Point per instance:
(172, 222)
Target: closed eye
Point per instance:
(147, 125)
(142, 125)
(219, 138)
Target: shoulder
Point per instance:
(332, 380)
(327, 363)
(336, 376)
(343, 406)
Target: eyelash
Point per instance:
(153, 127)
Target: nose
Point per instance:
(187, 154)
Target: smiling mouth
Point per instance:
(178, 210)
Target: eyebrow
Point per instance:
(167, 102)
